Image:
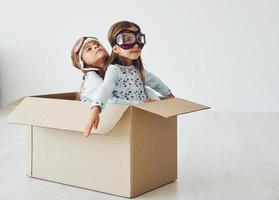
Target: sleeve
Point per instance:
(151, 94)
(155, 83)
(91, 84)
(105, 90)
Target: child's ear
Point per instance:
(114, 49)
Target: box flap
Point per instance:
(16, 102)
(63, 114)
(171, 107)
(65, 95)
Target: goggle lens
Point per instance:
(128, 40)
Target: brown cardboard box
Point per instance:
(134, 149)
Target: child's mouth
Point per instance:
(135, 51)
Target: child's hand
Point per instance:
(150, 100)
(171, 95)
(93, 121)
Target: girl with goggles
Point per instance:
(126, 77)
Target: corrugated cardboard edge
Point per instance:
(16, 102)
(65, 95)
(131, 110)
(30, 151)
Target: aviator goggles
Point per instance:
(128, 39)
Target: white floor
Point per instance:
(221, 155)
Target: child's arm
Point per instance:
(155, 83)
(91, 84)
(93, 121)
(103, 93)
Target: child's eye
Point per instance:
(88, 49)
(128, 39)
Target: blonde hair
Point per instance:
(117, 59)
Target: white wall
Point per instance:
(221, 53)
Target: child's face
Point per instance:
(93, 54)
(131, 54)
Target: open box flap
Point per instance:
(63, 114)
(65, 95)
(171, 107)
(16, 102)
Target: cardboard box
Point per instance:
(134, 149)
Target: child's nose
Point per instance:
(137, 46)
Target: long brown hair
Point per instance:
(117, 59)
